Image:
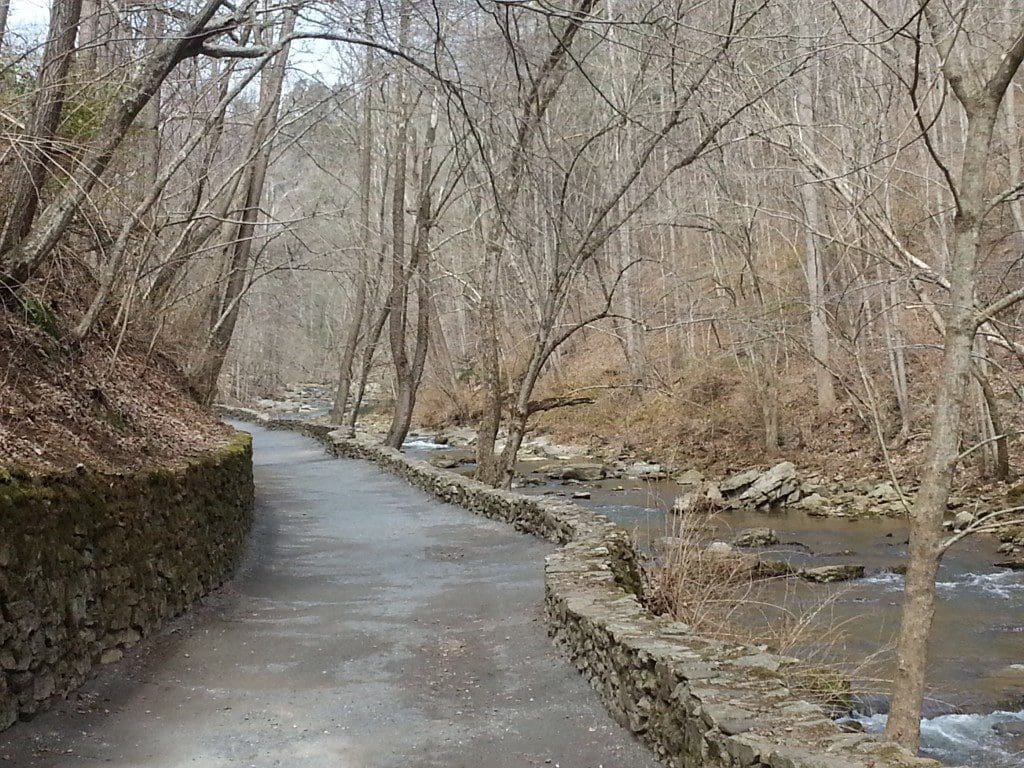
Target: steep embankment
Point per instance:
(106, 403)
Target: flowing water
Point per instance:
(975, 708)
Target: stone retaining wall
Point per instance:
(90, 563)
(698, 703)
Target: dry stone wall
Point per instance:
(90, 563)
(698, 703)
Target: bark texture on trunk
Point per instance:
(929, 508)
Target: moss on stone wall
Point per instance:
(90, 563)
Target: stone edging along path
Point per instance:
(92, 562)
(697, 703)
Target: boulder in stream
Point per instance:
(813, 504)
(445, 462)
(702, 498)
(583, 472)
(457, 436)
(645, 470)
(738, 483)
(690, 477)
(1015, 563)
(827, 574)
(756, 537)
(763, 490)
(1013, 728)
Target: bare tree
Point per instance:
(208, 359)
(20, 260)
(980, 93)
(25, 178)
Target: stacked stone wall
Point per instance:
(90, 563)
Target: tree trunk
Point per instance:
(409, 381)
(904, 724)
(1001, 468)
(369, 351)
(88, 37)
(487, 469)
(398, 296)
(894, 345)
(348, 353)
(25, 178)
(5, 7)
(814, 256)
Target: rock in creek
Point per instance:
(1016, 563)
(1009, 728)
(457, 437)
(445, 462)
(645, 470)
(815, 503)
(827, 574)
(739, 482)
(690, 477)
(762, 490)
(755, 537)
(703, 498)
(582, 472)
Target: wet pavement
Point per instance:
(371, 626)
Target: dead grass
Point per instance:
(733, 597)
(707, 414)
(63, 403)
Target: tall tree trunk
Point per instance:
(5, 7)
(398, 295)
(88, 37)
(543, 90)
(487, 465)
(904, 724)
(813, 250)
(25, 178)
(408, 381)
(348, 352)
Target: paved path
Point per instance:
(372, 627)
